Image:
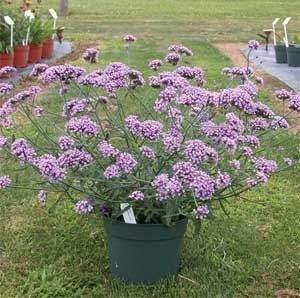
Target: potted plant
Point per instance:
(21, 48)
(293, 53)
(180, 152)
(36, 40)
(48, 44)
(280, 50)
(6, 52)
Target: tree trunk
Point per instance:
(63, 7)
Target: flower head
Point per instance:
(253, 44)
(201, 212)
(84, 207)
(4, 182)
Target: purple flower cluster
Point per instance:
(21, 96)
(84, 207)
(173, 58)
(126, 162)
(172, 140)
(3, 141)
(235, 164)
(7, 71)
(180, 49)
(155, 64)
(76, 106)
(111, 172)
(42, 197)
(288, 161)
(38, 69)
(91, 55)
(38, 111)
(253, 44)
(197, 152)
(23, 151)
(129, 38)
(147, 152)
(283, 94)
(107, 150)
(5, 88)
(74, 158)
(192, 73)
(66, 142)
(167, 188)
(148, 129)
(223, 179)
(258, 124)
(238, 72)
(201, 212)
(49, 168)
(82, 126)
(279, 122)
(294, 103)
(64, 73)
(4, 182)
(137, 196)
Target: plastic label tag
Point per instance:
(8, 20)
(128, 215)
(53, 13)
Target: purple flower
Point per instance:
(74, 158)
(235, 123)
(147, 152)
(203, 186)
(76, 106)
(126, 162)
(38, 111)
(23, 151)
(49, 168)
(283, 94)
(263, 110)
(91, 55)
(155, 64)
(264, 165)
(5, 88)
(288, 161)
(84, 206)
(38, 69)
(172, 58)
(223, 179)
(235, 164)
(129, 38)
(7, 71)
(137, 196)
(82, 125)
(246, 151)
(253, 44)
(42, 197)
(258, 124)
(7, 123)
(3, 142)
(4, 182)
(197, 152)
(185, 172)
(66, 142)
(201, 212)
(279, 122)
(184, 50)
(104, 210)
(259, 80)
(107, 150)
(21, 96)
(172, 140)
(111, 172)
(294, 103)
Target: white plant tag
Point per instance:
(285, 22)
(128, 215)
(274, 33)
(8, 20)
(53, 13)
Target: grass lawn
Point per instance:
(50, 253)
(230, 20)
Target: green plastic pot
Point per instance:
(144, 253)
(293, 54)
(280, 54)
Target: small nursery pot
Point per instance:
(35, 53)
(280, 54)
(6, 60)
(48, 47)
(21, 54)
(144, 253)
(293, 54)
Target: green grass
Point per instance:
(229, 20)
(50, 252)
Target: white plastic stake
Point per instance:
(54, 16)
(285, 22)
(274, 33)
(128, 215)
(10, 22)
(30, 15)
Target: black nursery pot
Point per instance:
(280, 54)
(144, 253)
(293, 54)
